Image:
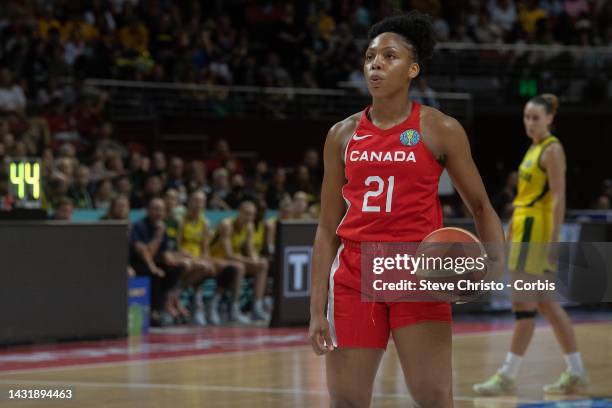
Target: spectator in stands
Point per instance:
(12, 98)
(301, 206)
(485, 31)
(63, 210)
(220, 156)
(325, 23)
(575, 9)
(107, 141)
(427, 95)
(159, 164)
(56, 188)
(460, 34)
(175, 173)
(220, 189)
(134, 37)
(503, 14)
(123, 186)
(239, 192)
(174, 209)
(440, 26)
(152, 189)
(114, 163)
(261, 177)
(103, 194)
(602, 202)
(119, 208)
(529, 15)
(278, 190)
(196, 179)
(137, 171)
(79, 191)
(302, 182)
(356, 79)
(273, 73)
(313, 164)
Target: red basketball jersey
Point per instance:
(392, 183)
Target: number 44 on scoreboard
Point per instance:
(25, 182)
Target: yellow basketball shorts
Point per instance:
(531, 234)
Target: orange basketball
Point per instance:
(452, 255)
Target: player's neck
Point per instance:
(388, 112)
(538, 139)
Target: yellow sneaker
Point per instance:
(498, 384)
(568, 383)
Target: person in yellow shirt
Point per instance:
(235, 240)
(285, 212)
(529, 15)
(135, 37)
(191, 241)
(539, 211)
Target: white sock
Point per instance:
(258, 305)
(574, 363)
(236, 307)
(511, 365)
(198, 298)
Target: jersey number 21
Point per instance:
(379, 190)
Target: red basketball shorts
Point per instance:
(362, 324)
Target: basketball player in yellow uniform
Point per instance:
(539, 211)
(192, 241)
(234, 240)
(285, 212)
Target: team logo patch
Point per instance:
(528, 163)
(410, 137)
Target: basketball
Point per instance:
(452, 255)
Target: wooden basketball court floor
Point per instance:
(236, 367)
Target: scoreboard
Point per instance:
(24, 181)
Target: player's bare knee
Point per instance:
(432, 396)
(544, 309)
(239, 268)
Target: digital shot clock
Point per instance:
(24, 180)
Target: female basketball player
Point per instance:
(192, 241)
(388, 200)
(539, 211)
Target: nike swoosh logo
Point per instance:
(355, 137)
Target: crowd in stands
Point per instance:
(269, 43)
(48, 48)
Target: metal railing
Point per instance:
(152, 100)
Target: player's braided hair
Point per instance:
(414, 26)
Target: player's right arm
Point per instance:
(326, 241)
